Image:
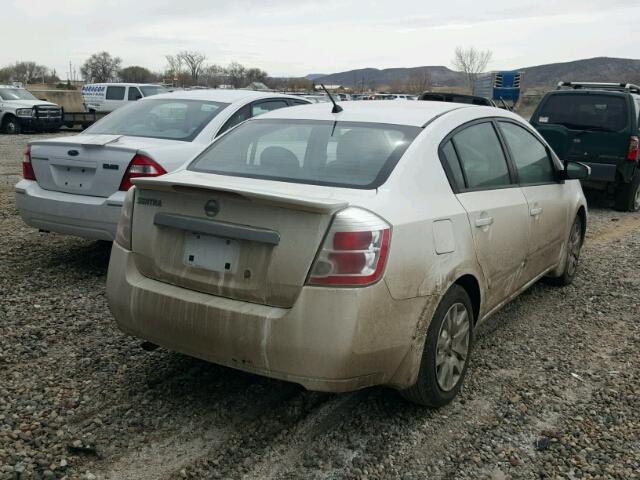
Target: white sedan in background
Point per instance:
(76, 185)
(343, 250)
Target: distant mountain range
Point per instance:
(603, 69)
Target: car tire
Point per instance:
(11, 125)
(628, 195)
(574, 246)
(440, 376)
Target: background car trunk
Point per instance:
(260, 272)
(92, 166)
(587, 145)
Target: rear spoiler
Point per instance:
(250, 193)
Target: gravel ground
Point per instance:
(553, 391)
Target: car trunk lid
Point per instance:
(238, 238)
(85, 164)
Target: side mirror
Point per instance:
(576, 171)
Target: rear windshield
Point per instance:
(435, 97)
(585, 112)
(170, 119)
(344, 154)
(148, 90)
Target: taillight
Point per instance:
(354, 252)
(27, 166)
(140, 166)
(123, 230)
(634, 149)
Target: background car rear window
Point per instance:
(530, 156)
(481, 155)
(585, 111)
(349, 154)
(115, 93)
(155, 118)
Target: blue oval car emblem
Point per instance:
(73, 153)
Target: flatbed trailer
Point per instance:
(82, 119)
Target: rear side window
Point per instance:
(155, 118)
(264, 107)
(482, 158)
(346, 154)
(451, 158)
(585, 112)
(238, 117)
(115, 93)
(529, 155)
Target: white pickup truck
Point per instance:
(20, 110)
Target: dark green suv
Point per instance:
(597, 124)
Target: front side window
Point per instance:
(586, 111)
(134, 94)
(529, 155)
(482, 158)
(264, 107)
(115, 93)
(346, 154)
(168, 119)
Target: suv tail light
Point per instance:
(27, 166)
(354, 252)
(140, 166)
(634, 149)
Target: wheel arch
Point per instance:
(471, 285)
(582, 213)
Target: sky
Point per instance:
(298, 37)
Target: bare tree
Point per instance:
(471, 62)
(193, 61)
(237, 74)
(101, 67)
(419, 81)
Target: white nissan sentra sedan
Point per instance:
(75, 185)
(343, 250)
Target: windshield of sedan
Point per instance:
(344, 154)
(16, 94)
(148, 90)
(170, 119)
(585, 112)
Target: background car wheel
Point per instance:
(628, 197)
(446, 351)
(11, 125)
(574, 246)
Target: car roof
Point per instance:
(405, 112)
(221, 95)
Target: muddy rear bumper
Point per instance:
(330, 340)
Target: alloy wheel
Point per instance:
(575, 244)
(453, 346)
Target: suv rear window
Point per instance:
(344, 154)
(170, 119)
(585, 112)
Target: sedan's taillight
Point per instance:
(140, 166)
(634, 149)
(27, 166)
(354, 252)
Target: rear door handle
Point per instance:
(484, 221)
(535, 211)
